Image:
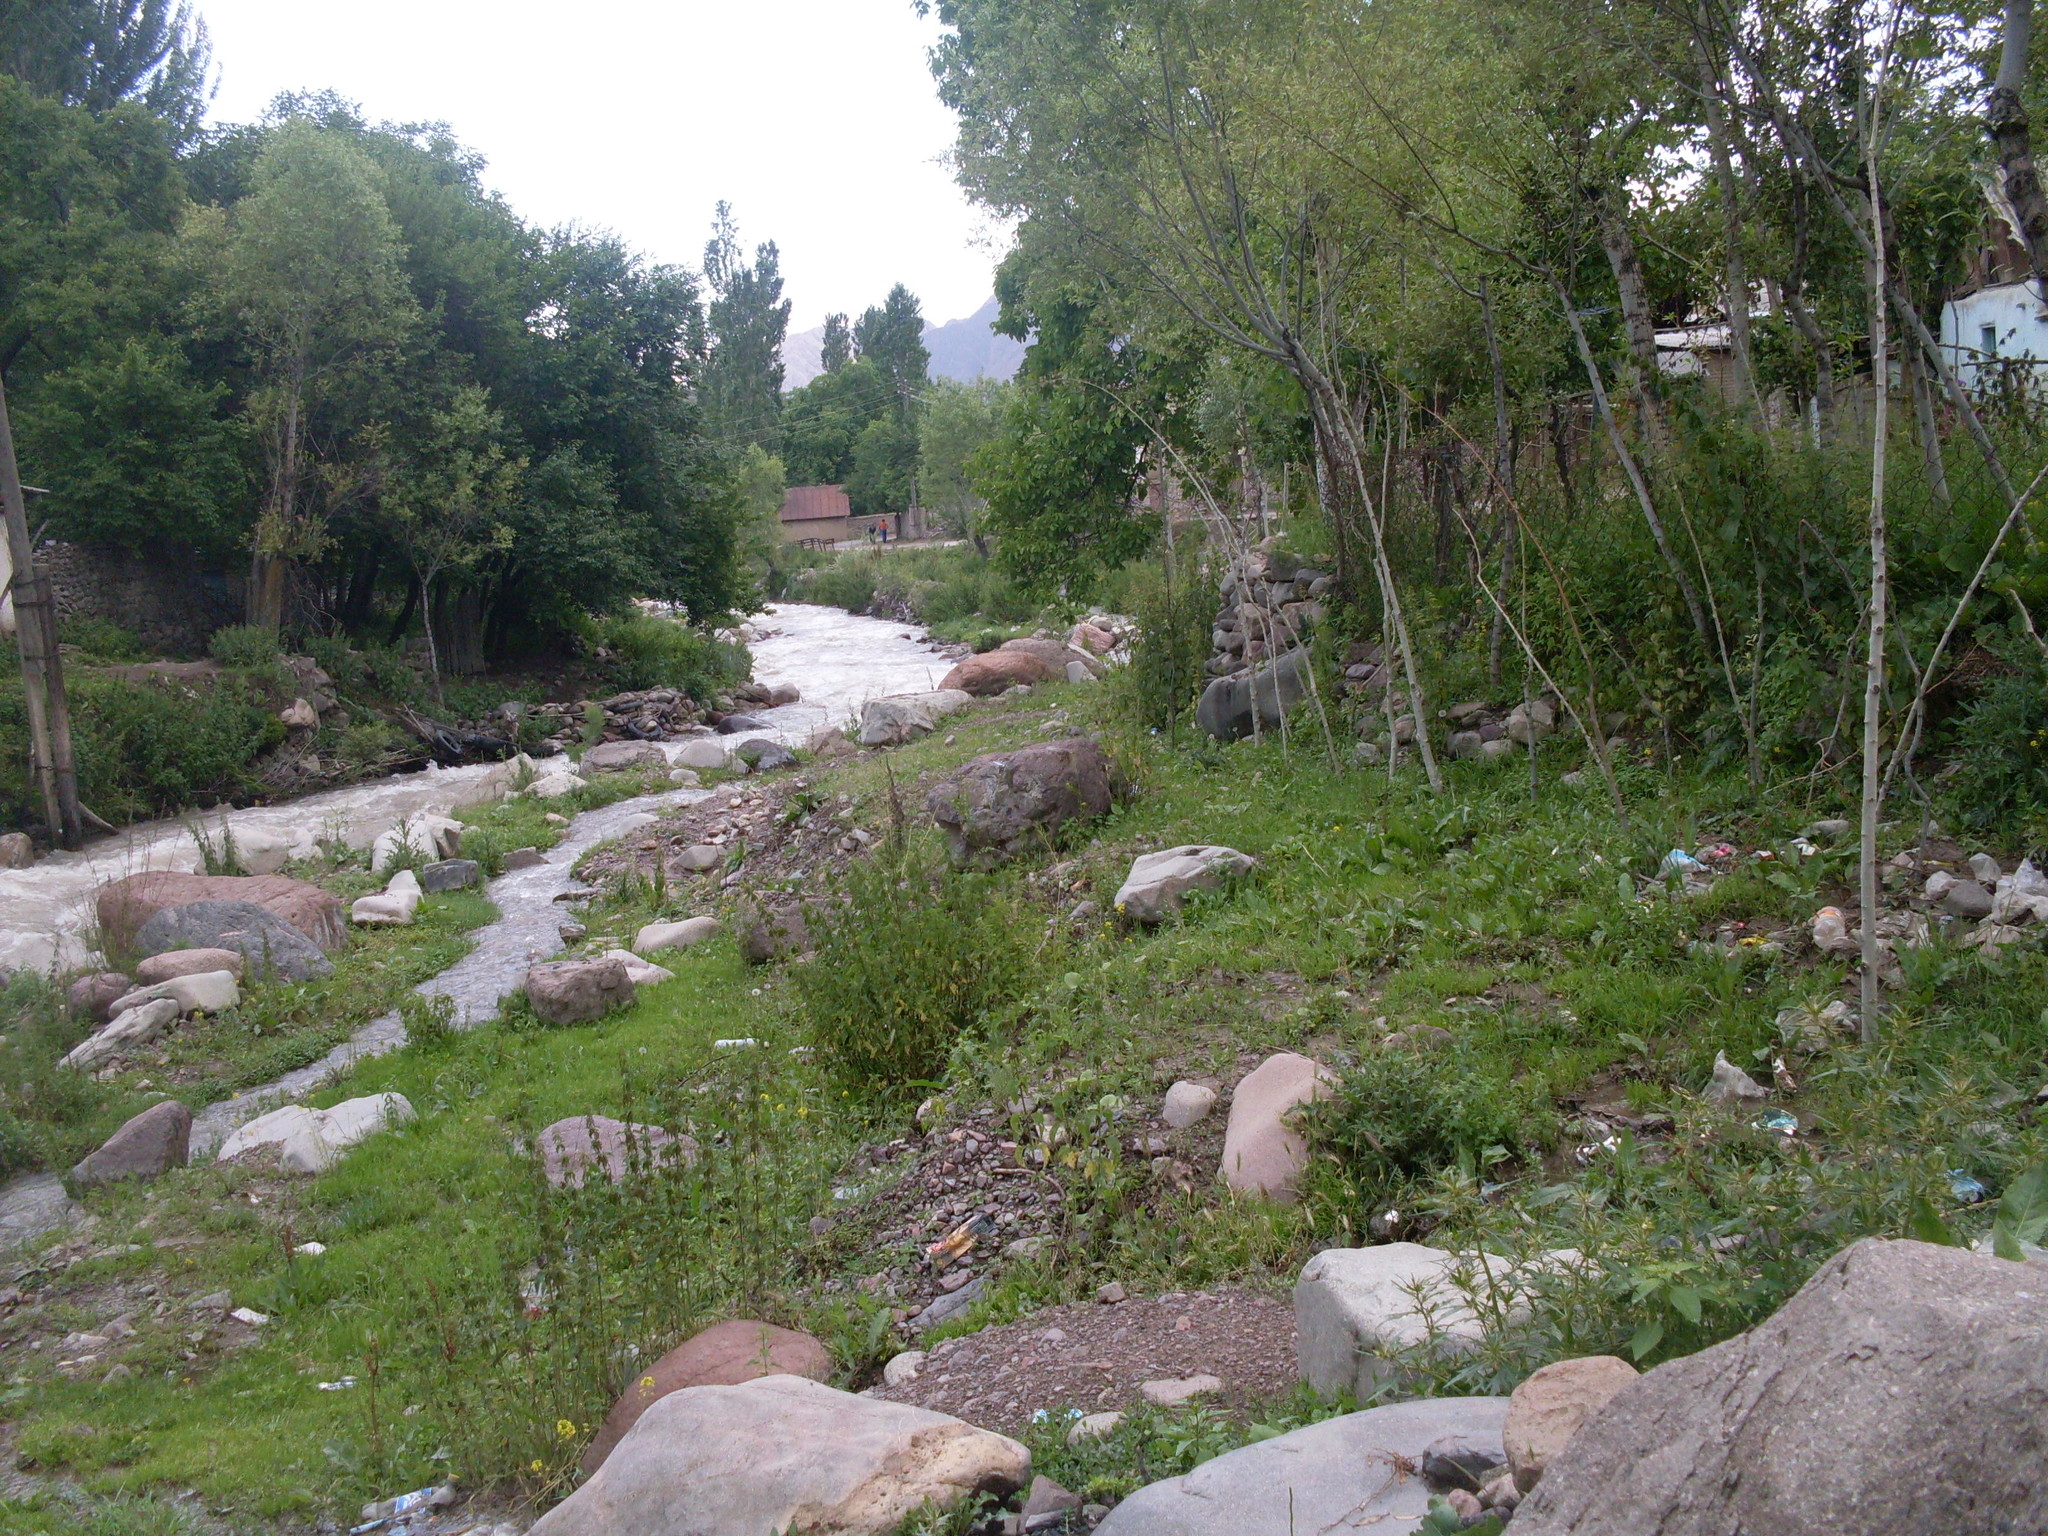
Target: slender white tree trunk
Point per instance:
(1880, 584)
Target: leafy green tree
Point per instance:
(836, 350)
(98, 54)
(448, 499)
(884, 477)
(748, 319)
(958, 421)
(891, 338)
(823, 421)
(307, 269)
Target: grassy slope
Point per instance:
(1377, 906)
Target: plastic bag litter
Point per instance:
(1679, 862)
(1781, 1121)
(1965, 1187)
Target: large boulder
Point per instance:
(784, 1454)
(575, 991)
(764, 755)
(723, 1355)
(1352, 1304)
(1230, 705)
(1056, 656)
(1357, 1473)
(1263, 1153)
(189, 962)
(393, 906)
(1548, 1408)
(659, 936)
(703, 753)
(1152, 891)
(570, 1149)
(270, 946)
(420, 838)
(1905, 1388)
(151, 1143)
(93, 996)
(1002, 802)
(613, 756)
(313, 1140)
(769, 932)
(124, 906)
(201, 992)
(904, 717)
(133, 1027)
(992, 672)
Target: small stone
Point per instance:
(523, 858)
(699, 857)
(1939, 884)
(1172, 1393)
(1730, 1083)
(1985, 869)
(1187, 1103)
(1096, 1426)
(1465, 1506)
(213, 1301)
(89, 997)
(1047, 1498)
(1831, 830)
(1109, 1295)
(903, 1368)
(1501, 1493)
(573, 933)
(249, 1316)
(1032, 1247)
(189, 962)
(1967, 899)
(686, 777)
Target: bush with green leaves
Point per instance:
(246, 647)
(1408, 1113)
(1166, 673)
(647, 652)
(143, 749)
(99, 639)
(909, 960)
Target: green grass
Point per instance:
(1531, 929)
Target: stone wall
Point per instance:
(169, 598)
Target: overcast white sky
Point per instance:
(816, 119)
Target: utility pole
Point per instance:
(42, 671)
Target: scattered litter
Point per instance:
(1679, 862)
(384, 1511)
(1803, 848)
(311, 1250)
(1831, 932)
(1966, 1188)
(1782, 1121)
(337, 1386)
(733, 1045)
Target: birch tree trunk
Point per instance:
(1880, 584)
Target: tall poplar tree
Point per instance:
(748, 319)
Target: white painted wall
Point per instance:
(2006, 321)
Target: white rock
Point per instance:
(201, 992)
(687, 777)
(1730, 1083)
(902, 1368)
(642, 973)
(421, 836)
(1095, 1426)
(138, 1026)
(1187, 1103)
(904, 717)
(261, 851)
(313, 1140)
(1172, 1393)
(657, 936)
(381, 911)
(704, 753)
(1152, 891)
(1939, 884)
(249, 1316)
(555, 785)
(1985, 869)
(784, 1454)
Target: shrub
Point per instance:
(908, 960)
(1405, 1113)
(647, 652)
(143, 749)
(2001, 746)
(247, 647)
(1166, 671)
(99, 639)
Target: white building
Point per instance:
(1997, 324)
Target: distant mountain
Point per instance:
(966, 350)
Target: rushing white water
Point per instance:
(837, 660)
